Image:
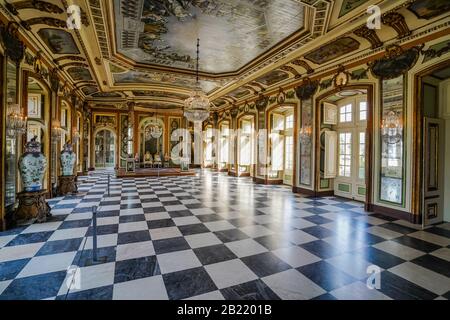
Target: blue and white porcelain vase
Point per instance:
(32, 166)
(67, 159)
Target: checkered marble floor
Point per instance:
(218, 237)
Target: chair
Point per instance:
(148, 160)
(157, 161)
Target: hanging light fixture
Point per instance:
(57, 131)
(305, 134)
(196, 107)
(391, 128)
(155, 130)
(16, 122)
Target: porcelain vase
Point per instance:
(32, 166)
(67, 159)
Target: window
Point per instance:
(345, 154)
(362, 156)
(345, 113)
(363, 111)
(209, 145)
(288, 162)
(130, 142)
(224, 149)
(290, 121)
(245, 143)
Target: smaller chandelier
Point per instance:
(56, 131)
(305, 135)
(76, 135)
(196, 107)
(16, 122)
(156, 132)
(391, 128)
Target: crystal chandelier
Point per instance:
(16, 122)
(196, 107)
(155, 131)
(57, 131)
(391, 128)
(305, 135)
(76, 135)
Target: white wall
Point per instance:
(444, 95)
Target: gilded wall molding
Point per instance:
(43, 6)
(396, 21)
(370, 35)
(53, 22)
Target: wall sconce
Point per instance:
(391, 128)
(305, 134)
(75, 135)
(16, 121)
(56, 130)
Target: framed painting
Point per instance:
(34, 105)
(329, 113)
(59, 41)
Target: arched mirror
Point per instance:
(105, 146)
(11, 156)
(151, 138)
(38, 113)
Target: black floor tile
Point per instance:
(265, 264)
(170, 245)
(326, 276)
(214, 254)
(434, 263)
(253, 290)
(188, 283)
(132, 269)
(417, 244)
(231, 235)
(398, 288)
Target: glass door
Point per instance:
(104, 149)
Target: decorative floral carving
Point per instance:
(396, 21)
(306, 89)
(370, 35)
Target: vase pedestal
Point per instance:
(32, 205)
(67, 184)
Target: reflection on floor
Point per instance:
(154, 172)
(218, 237)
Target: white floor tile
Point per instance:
(292, 285)
(229, 273)
(151, 288)
(177, 261)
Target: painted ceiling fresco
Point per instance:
(159, 94)
(167, 30)
(58, 41)
(427, 9)
(79, 74)
(138, 77)
(333, 50)
(272, 77)
(239, 93)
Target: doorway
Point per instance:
(281, 142)
(246, 145)
(105, 149)
(345, 126)
(435, 150)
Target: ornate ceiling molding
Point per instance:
(370, 35)
(49, 21)
(43, 6)
(396, 21)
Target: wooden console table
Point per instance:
(32, 205)
(67, 184)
